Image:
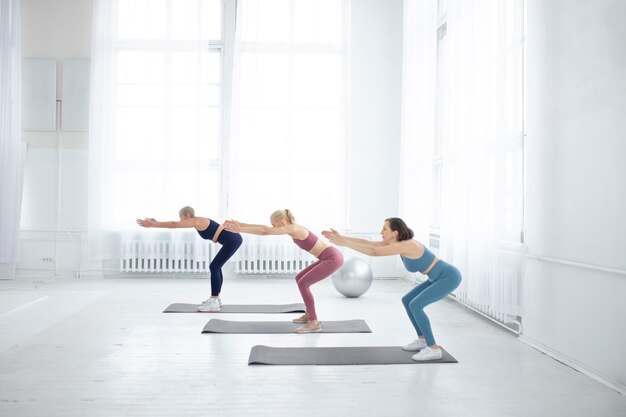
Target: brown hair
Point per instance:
(285, 214)
(396, 224)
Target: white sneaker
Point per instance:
(417, 344)
(219, 300)
(210, 305)
(428, 354)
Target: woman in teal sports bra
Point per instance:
(443, 278)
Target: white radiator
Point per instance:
(493, 287)
(165, 256)
(273, 256)
(489, 310)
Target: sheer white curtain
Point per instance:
(418, 114)
(477, 181)
(155, 122)
(11, 161)
(289, 136)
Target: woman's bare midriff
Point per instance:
(217, 233)
(318, 248)
(431, 266)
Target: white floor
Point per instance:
(102, 347)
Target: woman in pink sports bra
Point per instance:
(329, 259)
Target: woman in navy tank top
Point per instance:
(443, 278)
(329, 259)
(210, 230)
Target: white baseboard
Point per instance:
(572, 363)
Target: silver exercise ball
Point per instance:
(354, 278)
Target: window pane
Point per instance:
(196, 19)
(265, 20)
(259, 194)
(211, 63)
(140, 67)
(263, 135)
(198, 188)
(142, 19)
(317, 80)
(320, 196)
(264, 79)
(196, 67)
(210, 133)
(317, 135)
(317, 21)
(140, 190)
(192, 95)
(184, 125)
(139, 133)
(194, 134)
(212, 22)
(140, 95)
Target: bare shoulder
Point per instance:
(297, 232)
(200, 223)
(412, 249)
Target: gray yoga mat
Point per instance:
(240, 308)
(265, 327)
(359, 355)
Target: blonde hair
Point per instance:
(187, 211)
(285, 214)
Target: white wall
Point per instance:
(376, 81)
(61, 29)
(576, 183)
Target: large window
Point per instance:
(440, 99)
(483, 116)
(463, 117)
(167, 86)
(290, 130)
(234, 118)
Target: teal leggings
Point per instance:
(442, 280)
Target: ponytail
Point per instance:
(285, 215)
(289, 216)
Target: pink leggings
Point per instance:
(328, 262)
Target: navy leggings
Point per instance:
(230, 243)
(442, 280)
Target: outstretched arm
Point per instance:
(257, 229)
(149, 222)
(398, 248)
(248, 224)
(329, 234)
